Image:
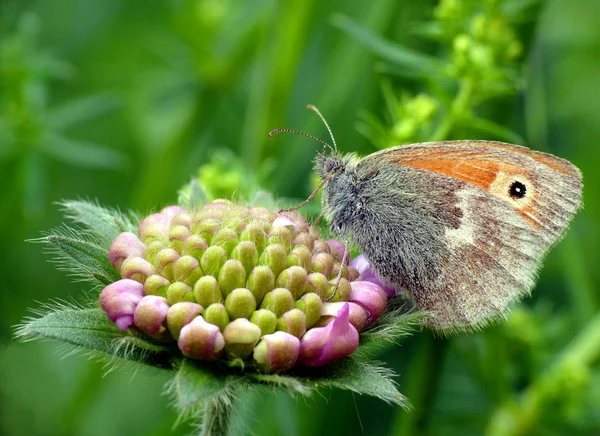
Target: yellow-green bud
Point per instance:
(181, 314)
(240, 303)
(281, 235)
(293, 322)
(304, 238)
(178, 292)
(206, 228)
(232, 276)
(207, 291)
(194, 246)
(317, 283)
(212, 260)
(152, 249)
(342, 291)
(254, 232)
(217, 314)
(260, 281)
(177, 236)
(187, 269)
(322, 263)
(156, 285)
(247, 254)
(278, 301)
(299, 256)
(163, 262)
(241, 336)
(293, 278)
(226, 238)
(274, 257)
(265, 320)
(311, 305)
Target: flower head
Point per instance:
(238, 283)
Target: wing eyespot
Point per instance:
(517, 190)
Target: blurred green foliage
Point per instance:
(124, 101)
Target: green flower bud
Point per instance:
(232, 276)
(265, 320)
(336, 271)
(317, 283)
(201, 340)
(304, 238)
(241, 336)
(247, 254)
(187, 269)
(136, 268)
(226, 238)
(177, 236)
(322, 263)
(321, 246)
(194, 246)
(240, 303)
(213, 260)
(274, 257)
(207, 291)
(299, 256)
(293, 322)
(276, 352)
(163, 262)
(152, 250)
(337, 292)
(156, 285)
(181, 219)
(178, 292)
(217, 314)
(282, 235)
(180, 315)
(206, 228)
(260, 281)
(310, 304)
(293, 278)
(253, 232)
(278, 301)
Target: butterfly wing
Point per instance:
(498, 209)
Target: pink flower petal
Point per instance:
(367, 273)
(125, 245)
(370, 296)
(323, 345)
(119, 300)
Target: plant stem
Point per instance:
(520, 418)
(460, 105)
(217, 415)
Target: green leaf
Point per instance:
(82, 154)
(363, 378)
(103, 223)
(197, 384)
(91, 329)
(81, 110)
(192, 196)
(394, 53)
(396, 323)
(290, 383)
(80, 255)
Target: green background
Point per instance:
(122, 101)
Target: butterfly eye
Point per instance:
(517, 190)
(329, 165)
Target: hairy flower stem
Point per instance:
(218, 414)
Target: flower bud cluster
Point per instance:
(239, 283)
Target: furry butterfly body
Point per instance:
(462, 226)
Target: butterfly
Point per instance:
(461, 226)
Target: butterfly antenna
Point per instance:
(276, 131)
(314, 108)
